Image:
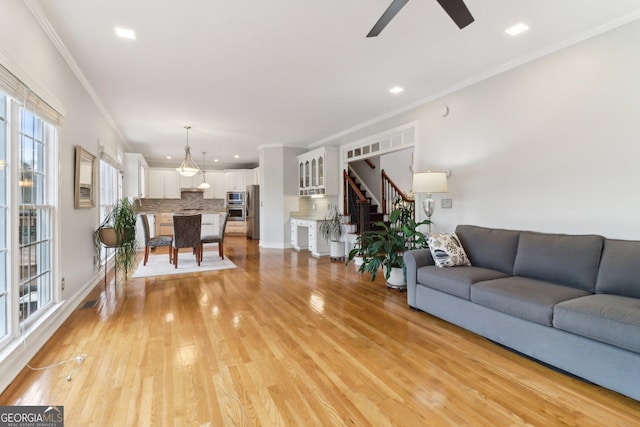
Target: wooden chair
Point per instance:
(186, 234)
(153, 242)
(216, 238)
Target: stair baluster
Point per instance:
(391, 192)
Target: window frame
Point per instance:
(48, 204)
(5, 310)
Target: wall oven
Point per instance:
(235, 213)
(235, 206)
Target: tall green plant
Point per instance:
(332, 228)
(122, 218)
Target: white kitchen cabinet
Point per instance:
(305, 236)
(164, 183)
(239, 179)
(135, 175)
(234, 180)
(217, 189)
(250, 178)
(294, 234)
(190, 181)
(318, 172)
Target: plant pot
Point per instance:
(336, 249)
(358, 260)
(109, 237)
(396, 279)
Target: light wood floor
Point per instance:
(289, 340)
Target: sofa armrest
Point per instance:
(413, 260)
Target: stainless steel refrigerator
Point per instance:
(253, 212)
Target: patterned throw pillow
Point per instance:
(446, 250)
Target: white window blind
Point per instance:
(18, 91)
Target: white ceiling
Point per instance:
(249, 73)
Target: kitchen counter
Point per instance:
(308, 217)
(164, 221)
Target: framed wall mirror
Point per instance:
(85, 181)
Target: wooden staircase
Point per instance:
(358, 207)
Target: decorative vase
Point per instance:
(396, 279)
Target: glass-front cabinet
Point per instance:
(318, 172)
(314, 172)
(301, 175)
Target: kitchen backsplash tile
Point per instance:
(314, 208)
(189, 201)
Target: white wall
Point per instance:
(552, 145)
(279, 194)
(27, 52)
(397, 165)
(369, 177)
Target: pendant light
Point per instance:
(188, 166)
(204, 184)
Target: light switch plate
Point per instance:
(446, 203)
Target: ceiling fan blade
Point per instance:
(458, 11)
(386, 17)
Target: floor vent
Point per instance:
(89, 304)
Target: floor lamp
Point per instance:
(429, 183)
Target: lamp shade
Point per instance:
(430, 182)
(188, 166)
(204, 184)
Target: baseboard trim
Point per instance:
(15, 356)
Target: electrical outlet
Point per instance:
(62, 283)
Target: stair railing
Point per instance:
(391, 194)
(355, 205)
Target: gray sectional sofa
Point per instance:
(571, 301)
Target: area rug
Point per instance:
(158, 265)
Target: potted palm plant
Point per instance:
(385, 248)
(118, 230)
(332, 229)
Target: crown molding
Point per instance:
(485, 75)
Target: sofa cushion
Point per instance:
(619, 272)
(570, 260)
(490, 248)
(446, 250)
(455, 281)
(522, 297)
(612, 319)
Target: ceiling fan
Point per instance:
(456, 9)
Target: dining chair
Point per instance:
(216, 238)
(153, 242)
(186, 234)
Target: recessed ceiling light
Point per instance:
(517, 29)
(168, 157)
(215, 160)
(396, 89)
(236, 156)
(125, 33)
